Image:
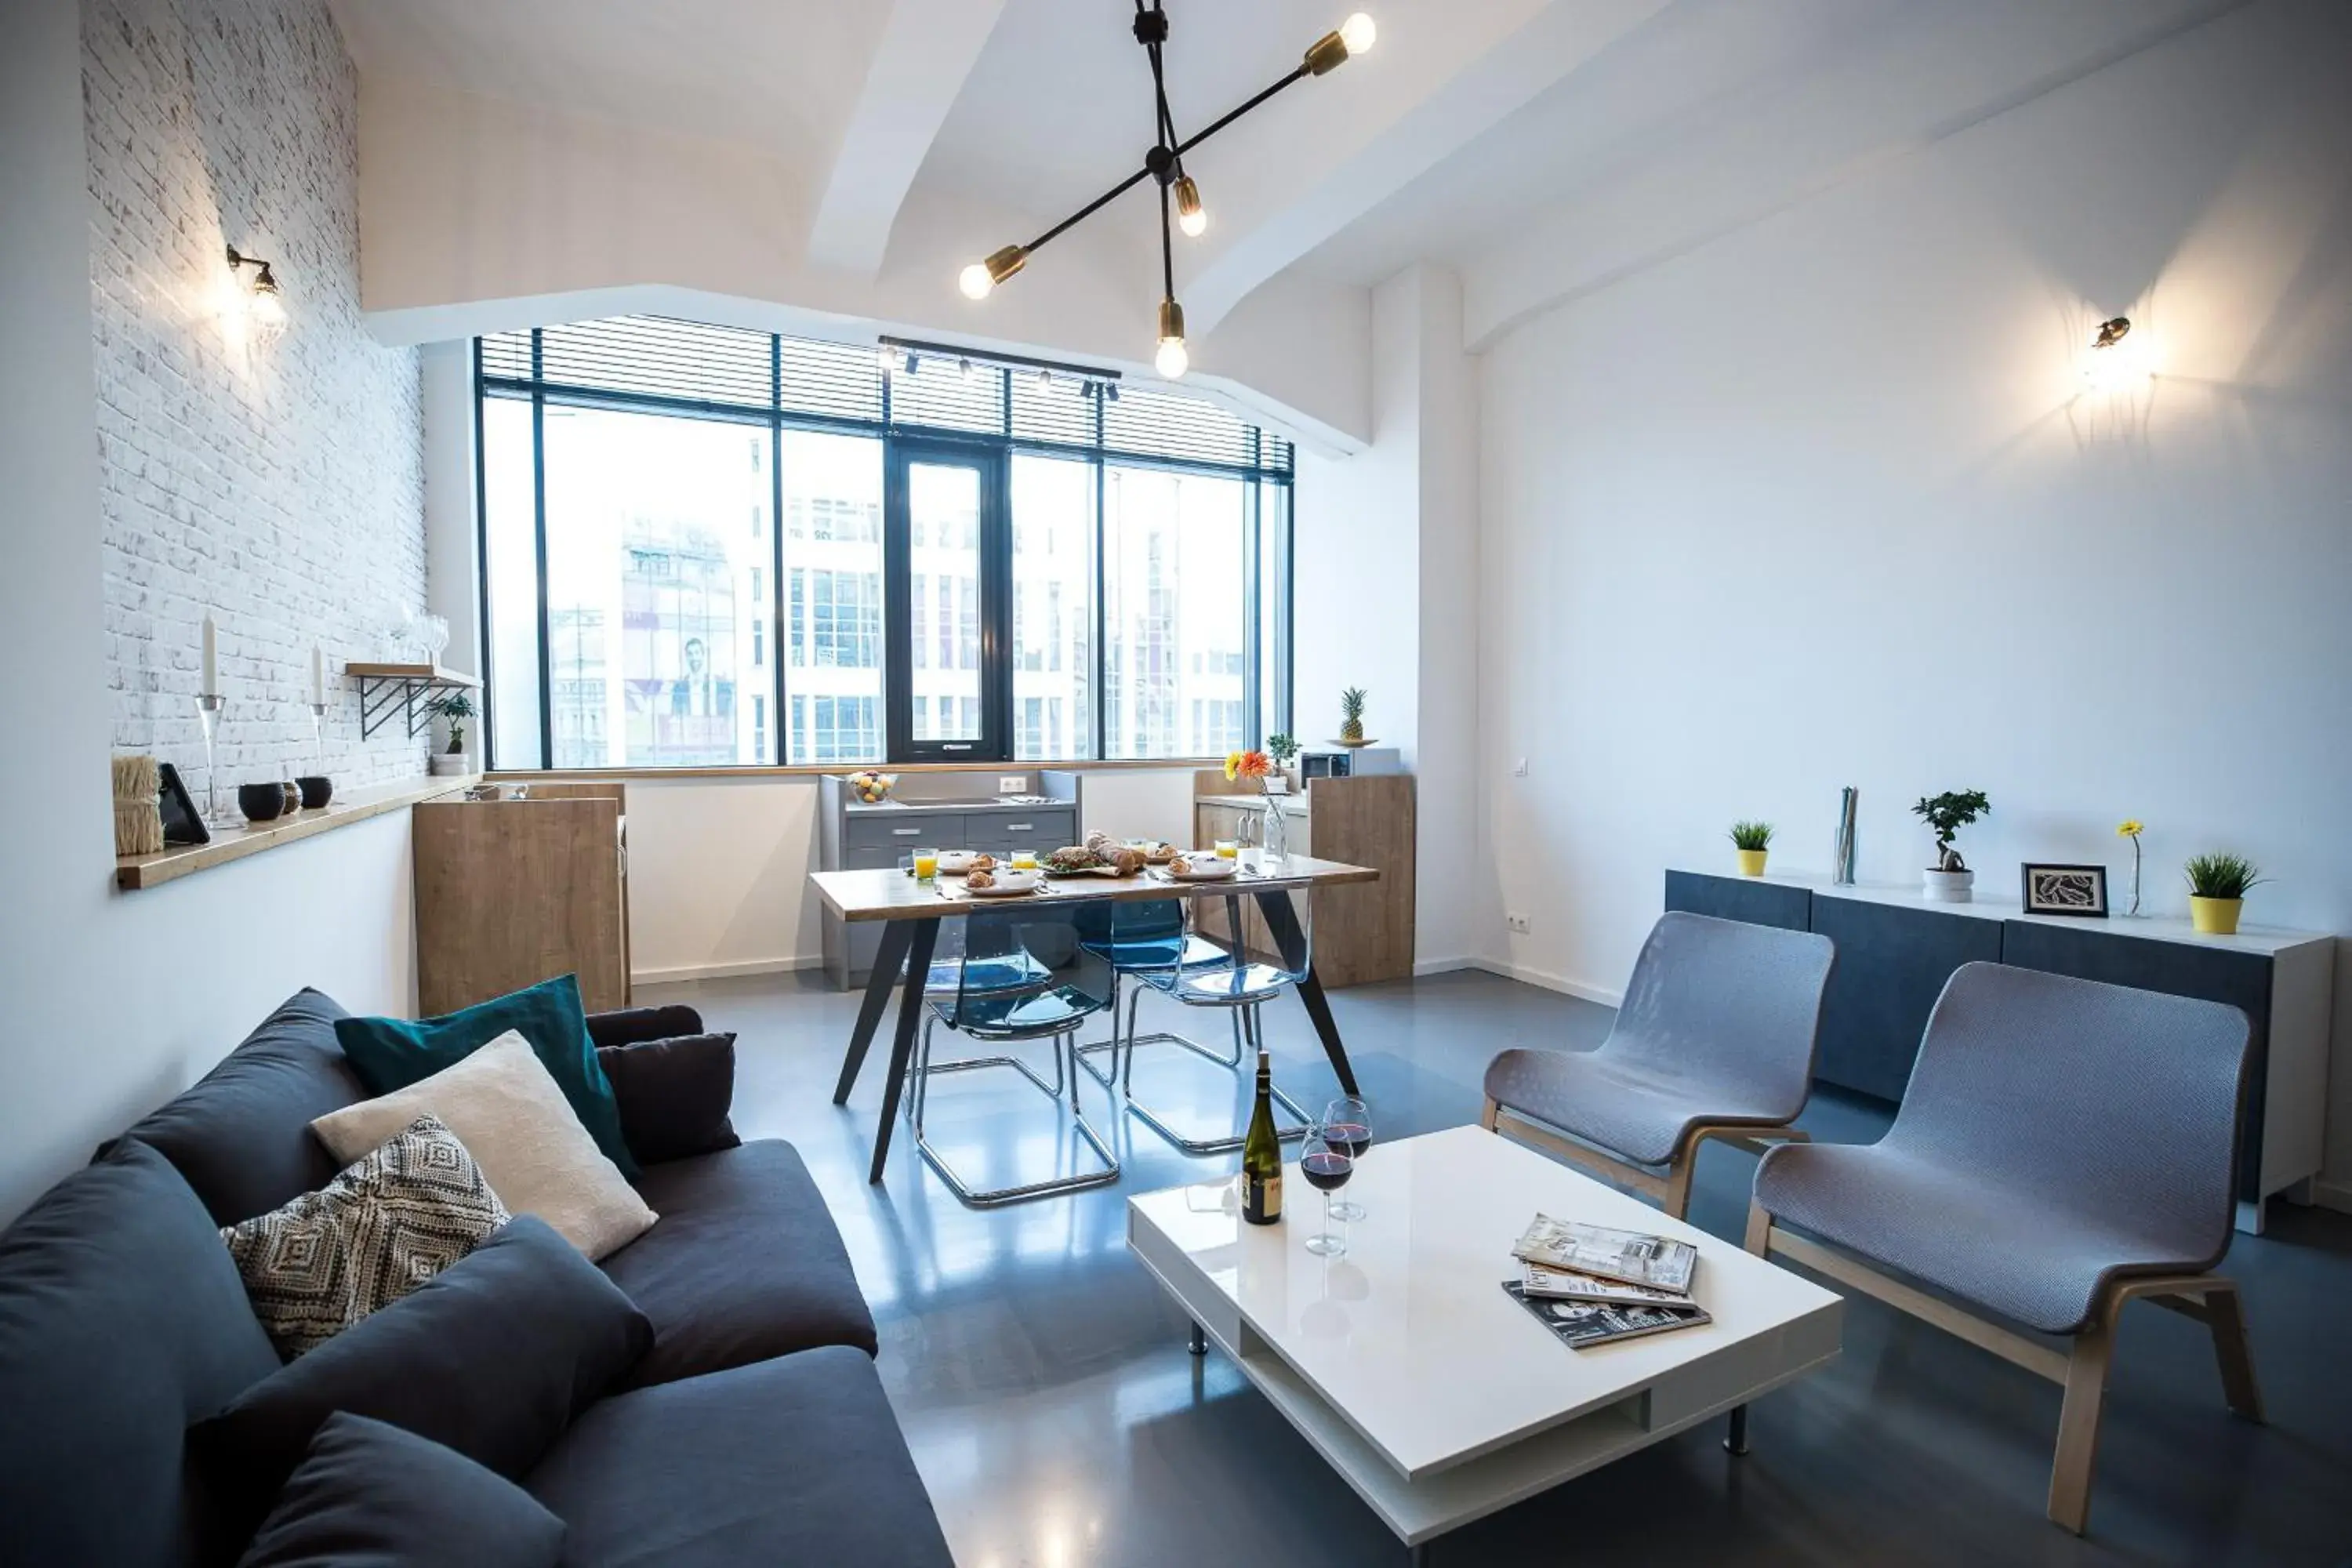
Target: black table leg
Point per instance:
(869, 1012)
(921, 937)
(1282, 924)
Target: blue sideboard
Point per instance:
(1895, 949)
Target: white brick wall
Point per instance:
(277, 482)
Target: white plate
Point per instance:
(956, 862)
(1216, 870)
(1009, 884)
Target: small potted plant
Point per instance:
(453, 708)
(1950, 880)
(2217, 891)
(1751, 839)
(1281, 748)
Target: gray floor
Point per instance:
(1059, 1422)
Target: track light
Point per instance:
(914, 364)
(1172, 360)
(981, 276)
(964, 366)
(1191, 215)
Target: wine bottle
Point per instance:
(1262, 1155)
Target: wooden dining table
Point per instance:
(912, 910)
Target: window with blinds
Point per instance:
(710, 546)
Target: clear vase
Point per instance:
(1274, 832)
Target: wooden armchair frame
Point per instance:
(2080, 1370)
(1667, 1186)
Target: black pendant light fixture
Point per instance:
(1180, 198)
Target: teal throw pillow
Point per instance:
(392, 1053)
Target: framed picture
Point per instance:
(182, 823)
(2065, 891)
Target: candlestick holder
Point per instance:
(208, 712)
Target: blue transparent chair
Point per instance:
(1010, 976)
(1134, 938)
(1225, 955)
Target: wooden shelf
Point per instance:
(132, 872)
(405, 689)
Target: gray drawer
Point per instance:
(903, 831)
(1042, 830)
(876, 857)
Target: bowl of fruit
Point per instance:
(871, 787)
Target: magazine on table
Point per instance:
(1581, 1325)
(1658, 1261)
(1566, 1285)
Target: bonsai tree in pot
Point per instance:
(1281, 748)
(453, 708)
(1949, 879)
(2218, 885)
(1751, 839)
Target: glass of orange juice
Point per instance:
(1024, 860)
(1228, 848)
(927, 865)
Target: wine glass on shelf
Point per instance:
(1327, 1166)
(1348, 1123)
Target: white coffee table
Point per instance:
(1438, 1397)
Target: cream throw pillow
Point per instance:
(507, 1110)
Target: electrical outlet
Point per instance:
(1517, 923)
(1011, 783)
(1520, 768)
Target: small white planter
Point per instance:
(449, 764)
(1949, 887)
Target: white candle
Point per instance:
(317, 675)
(212, 657)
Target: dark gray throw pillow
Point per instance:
(372, 1496)
(493, 1357)
(675, 1094)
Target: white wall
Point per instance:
(1816, 505)
(718, 866)
(274, 481)
(1387, 594)
(116, 1001)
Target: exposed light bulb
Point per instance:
(267, 310)
(886, 357)
(1171, 361)
(975, 281)
(1359, 34)
(1191, 215)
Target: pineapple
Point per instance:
(1351, 715)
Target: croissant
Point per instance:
(980, 878)
(984, 863)
(1126, 861)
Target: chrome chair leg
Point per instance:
(1245, 1034)
(1121, 1045)
(1065, 1080)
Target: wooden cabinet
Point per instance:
(1363, 933)
(510, 892)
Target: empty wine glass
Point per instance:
(1327, 1165)
(1347, 1123)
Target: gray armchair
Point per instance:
(1715, 1040)
(2064, 1146)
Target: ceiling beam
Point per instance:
(927, 48)
(1558, 39)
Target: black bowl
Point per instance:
(317, 791)
(261, 802)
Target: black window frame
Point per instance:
(1265, 460)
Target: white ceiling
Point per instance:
(1541, 147)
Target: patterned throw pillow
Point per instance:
(384, 1225)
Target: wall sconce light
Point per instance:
(263, 307)
(2112, 364)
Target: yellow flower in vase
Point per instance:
(2131, 828)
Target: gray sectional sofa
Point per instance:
(754, 1431)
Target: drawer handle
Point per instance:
(905, 832)
(1019, 828)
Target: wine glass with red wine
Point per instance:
(1327, 1165)
(1347, 1123)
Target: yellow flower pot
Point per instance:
(2215, 917)
(1751, 861)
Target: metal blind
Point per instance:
(734, 372)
